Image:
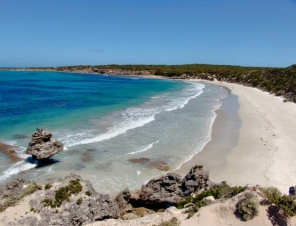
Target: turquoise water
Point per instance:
(103, 122)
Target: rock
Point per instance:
(28, 221)
(209, 199)
(93, 206)
(292, 192)
(151, 164)
(160, 165)
(161, 191)
(142, 211)
(195, 180)
(139, 160)
(129, 216)
(12, 189)
(122, 200)
(171, 188)
(42, 145)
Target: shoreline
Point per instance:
(260, 151)
(265, 150)
(213, 155)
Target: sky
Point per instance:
(44, 33)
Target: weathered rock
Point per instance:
(161, 191)
(139, 160)
(292, 192)
(42, 145)
(12, 189)
(93, 206)
(160, 165)
(195, 180)
(151, 163)
(142, 211)
(122, 200)
(171, 188)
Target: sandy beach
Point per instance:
(265, 150)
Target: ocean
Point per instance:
(104, 122)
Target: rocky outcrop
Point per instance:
(83, 205)
(292, 192)
(12, 189)
(171, 188)
(195, 180)
(42, 145)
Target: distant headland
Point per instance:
(277, 81)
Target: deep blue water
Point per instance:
(36, 99)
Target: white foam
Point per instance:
(138, 173)
(143, 149)
(114, 132)
(138, 116)
(16, 168)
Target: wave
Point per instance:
(16, 168)
(135, 117)
(143, 149)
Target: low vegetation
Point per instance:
(63, 194)
(31, 188)
(248, 208)
(47, 186)
(79, 201)
(222, 191)
(173, 222)
(283, 203)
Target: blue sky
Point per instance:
(229, 32)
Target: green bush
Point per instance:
(74, 187)
(283, 202)
(79, 201)
(47, 186)
(248, 208)
(63, 194)
(218, 192)
(88, 193)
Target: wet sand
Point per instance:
(224, 137)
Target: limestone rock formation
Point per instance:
(42, 145)
(83, 206)
(195, 180)
(171, 188)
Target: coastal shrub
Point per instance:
(248, 208)
(218, 192)
(283, 202)
(31, 188)
(63, 194)
(172, 222)
(47, 186)
(88, 193)
(79, 201)
(74, 187)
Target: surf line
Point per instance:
(145, 148)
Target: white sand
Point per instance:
(266, 150)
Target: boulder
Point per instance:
(161, 191)
(42, 145)
(122, 200)
(195, 180)
(171, 188)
